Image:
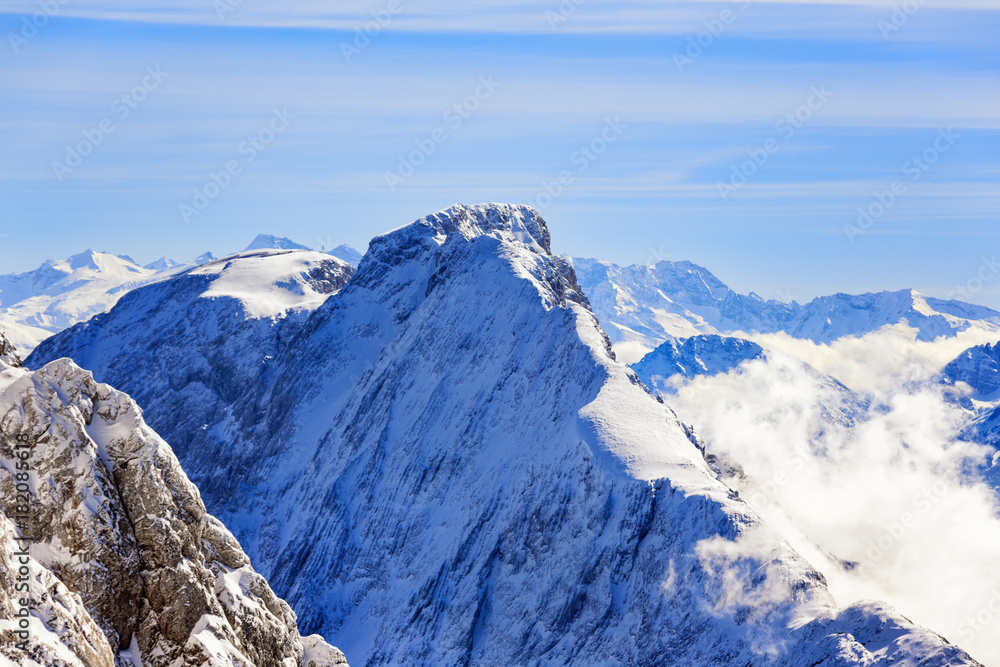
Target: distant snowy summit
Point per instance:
(346, 253)
(643, 306)
(60, 293)
(268, 241)
(36, 304)
(694, 356)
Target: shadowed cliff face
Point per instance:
(446, 465)
(125, 563)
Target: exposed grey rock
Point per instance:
(124, 552)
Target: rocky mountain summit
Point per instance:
(107, 554)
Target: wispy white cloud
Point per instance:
(657, 17)
(888, 495)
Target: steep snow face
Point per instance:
(188, 348)
(642, 306)
(447, 466)
(123, 561)
(57, 295)
(689, 357)
(269, 242)
(978, 367)
(976, 376)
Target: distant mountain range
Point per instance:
(36, 304)
(643, 306)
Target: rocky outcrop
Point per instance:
(8, 355)
(125, 561)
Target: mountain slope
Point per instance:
(976, 376)
(642, 306)
(36, 304)
(446, 465)
(124, 566)
(218, 327)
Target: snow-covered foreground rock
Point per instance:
(124, 566)
(446, 465)
(642, 306)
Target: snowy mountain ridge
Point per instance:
(60, 293)
(271, 242)
(642, 306)
(694, 356)
(446, 465)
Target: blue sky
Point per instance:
(874, 85)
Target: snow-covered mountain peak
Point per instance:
(444, 465)
(502, 221)
(643, 306)
(270, 283)
(269, 241)
(346, 253)
(694, 356)
(462, 236)
(161, 264)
